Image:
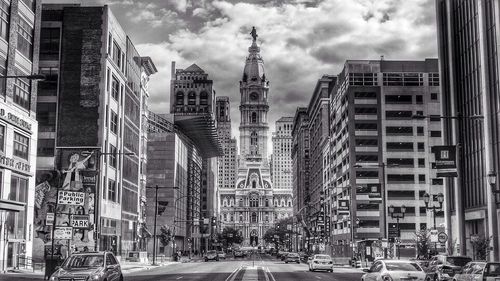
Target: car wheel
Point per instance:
(121, 278)
(298, 262)
(206, 260)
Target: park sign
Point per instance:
(66, 197)
(80, 221)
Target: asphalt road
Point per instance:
(268, 269)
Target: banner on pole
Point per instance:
(446, 160)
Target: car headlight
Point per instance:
(53, 278)
(387, 278)
(95, 276)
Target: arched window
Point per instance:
(179, 98)
(253, 117)
(253, 138)
(254, 184)
(254, 201)
(241, 202)
(203, 98)
(241, 217)
(289, 203)
(192, 98)
(267, 202)
(254, 217)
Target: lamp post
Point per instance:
(459, 198)
(434, 209)
(156, 187)
(492, 181)
(397, 215)
(354, 226)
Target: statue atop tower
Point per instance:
(254, 33)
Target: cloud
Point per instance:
(300, 41)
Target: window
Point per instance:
(398, 194)
(2, 139)
(45, 147)
(434, 96)
(114, 122)
(420, 146)
(365, 110)
(30, 4)
(403, 131)
(436, 134)
(365, 95)
(112, 191)
(25, 39)
(420, 131)
(434, 79)
(398, 114)
(112, 156)
(117, 54)
(179, 98)
(254, 217)
(21, 146)
(420, 99)
(399, 146)
(192, 98)
(366, 126)
(401, 162)
(399, 99)
(22, 95)
(49, 43)
(46, 116)
(401, 178)
(254, 117)
(48, 87)
(16, 222)
(203, 98)
(3, 72)
(4, 20)
(421, 162)
(366, 142)
(115, 88)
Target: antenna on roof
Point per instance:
(382, 57)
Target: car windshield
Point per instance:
(492, 269)
(211, 252)
(84, 261)
(458, 261)
(322, 257)
(293, 255)
(402, 266)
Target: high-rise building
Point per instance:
(92, 115)
(381, 154)
(192, 104)
(282, 147)
(20, 33)
(469, 68)
(227, 162)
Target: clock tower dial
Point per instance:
(254, 96)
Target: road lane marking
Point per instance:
(270, 274)
(179, 278)
(317, 277)
(233, 274)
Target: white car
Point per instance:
(221, 254)
(321, 262)
(487, 271)
(394, 270)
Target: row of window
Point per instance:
(21, 143)
(393, 79)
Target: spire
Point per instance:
(254, 66)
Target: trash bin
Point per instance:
(51, 263)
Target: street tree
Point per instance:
(423, 242)
(230, 236)
(165, 235)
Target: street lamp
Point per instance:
(434, 209)
(397, 215)
(492, 181)
(33, 76)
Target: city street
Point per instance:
(267, 269)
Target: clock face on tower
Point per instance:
(254, 96)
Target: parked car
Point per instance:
(211, 255)
(239, 254)
(89, 266)
(393, 270)
(292, 257)
(443, 267)
(221, 255)
(486, 271)
(321, 262)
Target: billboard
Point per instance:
(343, 205)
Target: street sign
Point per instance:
(393, 230)
(71, 198)
(442, 237)
(205, 221)
(196, 222)
(49, 219)
(63, 233)
(434, 235)
(80, 221)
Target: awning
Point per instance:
(13, 206)
(202, 131)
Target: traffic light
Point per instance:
(214, 221)
(162, 206)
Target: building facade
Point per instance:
(92, 108)
(381, 155)
(469, 68)
(281, 161)
(19, 43)
(227, 163)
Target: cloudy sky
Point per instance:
(300, 40)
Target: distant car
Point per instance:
(486, 271)
(283, 255)
(221, 255)
(89, 266)
(292, 257)
(321, 262)
(212, 256)
(444, 268)
(239, 254)
(393, 270)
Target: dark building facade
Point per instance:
(92, 111)
(469, 67)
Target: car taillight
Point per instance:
(316, 262)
